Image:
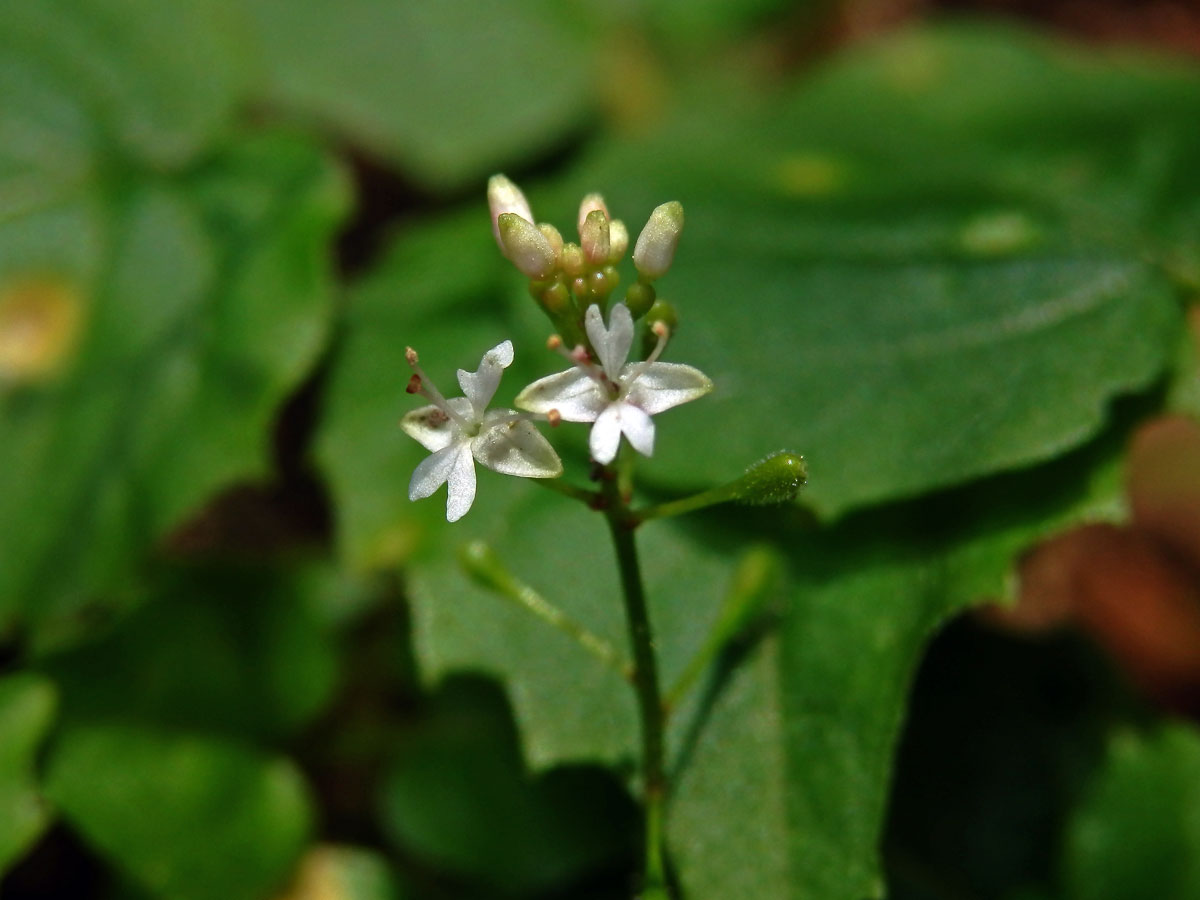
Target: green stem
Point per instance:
(591, 498)
(484, 566)
(722, 494)
(646, 687)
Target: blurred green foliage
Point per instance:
(930, 263)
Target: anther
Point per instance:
(553, 342)
(553, 417)
(414, 384)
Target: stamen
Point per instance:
(421, 384)
(553, 417)
(663, 333)
(580, 359)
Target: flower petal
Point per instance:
(660, 386)
(606, 435)
(638, 427)
(574, 393)
(515, 448)
(433, 472)
(611, 345)
(480, 386)
(460, 486)
(430, 427)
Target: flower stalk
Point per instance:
(645, 685)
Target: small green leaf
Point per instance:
(1138, 832)
(186, 817)
(26, 709)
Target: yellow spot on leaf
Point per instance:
(317, 877)
(39, 326)
(810, 175)
(999, 233)
(913, 67)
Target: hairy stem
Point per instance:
(646, 687)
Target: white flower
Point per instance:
(461, 431)
(618, 397)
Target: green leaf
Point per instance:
(150, 80)
(699, 23)
(1138, 832)
(568, 706)
(186, 817)
(26, 709)
(450, 89)
(458, 795)
(238, 652)
(946, 280)
(905, 326)
(797, 743)
(208, 302)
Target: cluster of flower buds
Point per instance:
(567, 278)
(601, 385)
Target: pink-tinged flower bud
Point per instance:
(655, 248)
(506, 197)
(618, 240)
(589, 204)
(525, 246)
(553, 236)
(594, 237)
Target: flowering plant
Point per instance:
(617, 396)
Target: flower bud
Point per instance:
(553, 236)
(525, 246)
(618, 240)
(639, 298)
(655, 248)
(505, 197)
(594, 237)
(662, 311)
(590, 204)
(572, 260)
(777, 479)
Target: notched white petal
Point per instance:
(460, 485)
(611, 344)
(638, 428)
(661, 386)
(430, 427)
(480, 386)
(573, 393)
(516, 448)
(432, 472)
(606, 435)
